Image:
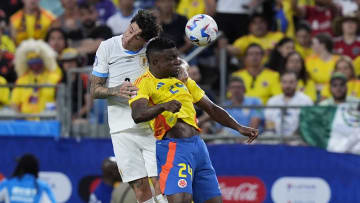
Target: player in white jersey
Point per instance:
(119, 60)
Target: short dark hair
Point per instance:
(27, 164)
(63, 33)
(236, 79)
(159, 44)
(254, 45)
(326, 40)
(147, 23)
(289, 73)
(85, 5)
(303, 26)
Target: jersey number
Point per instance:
(183, 168)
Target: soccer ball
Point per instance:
(201, 29)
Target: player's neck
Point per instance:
(156, 75)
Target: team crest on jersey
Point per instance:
(182, 183)
(143, 61)
(265, 84)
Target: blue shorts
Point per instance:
(184, 166)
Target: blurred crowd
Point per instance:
(279, 52)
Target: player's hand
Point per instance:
(183, 72)
(172, 106)
(252, 133)
(125, 90)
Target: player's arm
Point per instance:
(221, 116)
(99, 90)
(142, 112)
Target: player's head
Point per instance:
(27, 164)
(163, 58)
(338, 86)
(142, 28)
(289, 83)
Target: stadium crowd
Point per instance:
(294, 53)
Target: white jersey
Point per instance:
(116, 63)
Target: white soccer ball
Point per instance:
(201, 30)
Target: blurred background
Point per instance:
(290, 68)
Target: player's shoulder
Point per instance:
(146, 77)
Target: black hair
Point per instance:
(288, 73)
(257, 15)
(303, 74)
(254, 45)
(147, 23)
(236, 79)
(63, 33)
(27, 164)
(326, 40)
(276, 60)
(303, 26)
(159, 44)
(86, 5)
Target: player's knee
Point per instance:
(141, 188)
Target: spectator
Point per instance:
(69, 21)
(244, 115)
(319, 16)
(189, 8)
(260, 82)
(230, 11)
(28, 186)
(258, 33)
(344, 65)
(288, 123)
(348, 43)
(10, 7)
(80, 107)
(285, 17)
(7, 67)
(104, 8)
(4, 93)
(294, 63)
(121, 19)
(111, 188)
(279, 53)
(57, 39)
(35, 64)
(338, 90)
(322, 63)
(6, 43)
(93, 32)
(303, 40)
(173, 24)
(30, 22)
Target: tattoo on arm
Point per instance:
(98, 89)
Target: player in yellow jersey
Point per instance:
(184, 166)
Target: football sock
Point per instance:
(161, 199)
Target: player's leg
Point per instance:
(131, 165)
(205, 183)
(174, 159)
(149, 154)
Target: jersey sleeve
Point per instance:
(196, 92)
(100, 67)
(144, 89)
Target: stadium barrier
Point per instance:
(246, 173)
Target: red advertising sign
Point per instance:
(246, 189)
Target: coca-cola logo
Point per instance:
(242, 189)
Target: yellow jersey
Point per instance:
(303, 51)
(356, 62)
(189, 8)
(159, 91)
(263, 86)
(267, 42)
(6, 44)
(289, 14)
(33, 100)
(320, 71)
(309, 88)
(353, 89)
(4, 92)
(31, 26)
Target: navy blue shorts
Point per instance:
(184, 166)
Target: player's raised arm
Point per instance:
(142, 112)
(221, 116)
